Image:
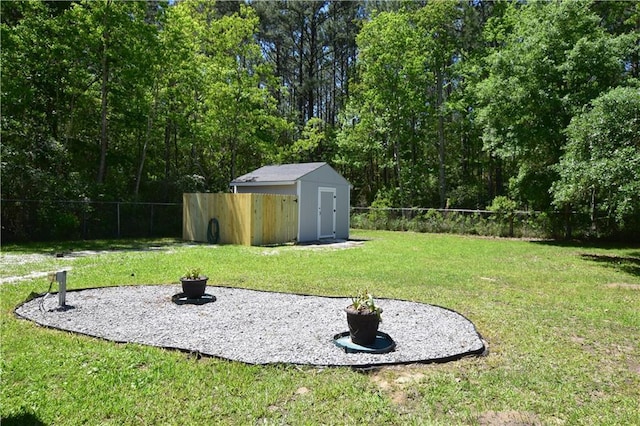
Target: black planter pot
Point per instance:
(363, 327)
(193, 288)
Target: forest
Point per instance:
(443, 104)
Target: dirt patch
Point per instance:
(624, 286)
(397, 395)
(302, 390)
(397, 382)
(577, 339)
(22, 259)
(508, 418)
(316, 245)
(30, 276)
(634, 367)
(331, 244)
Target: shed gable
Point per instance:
(319, 215)
(277, 173)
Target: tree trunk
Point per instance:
(147, 137)
(567, 222)
(398, 170)
(167, 154)
(594, 227)
(104, 92)
(311, 71)
(441, 141)
(301, 100)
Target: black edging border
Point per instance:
(483, 351)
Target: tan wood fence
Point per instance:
(246, 219)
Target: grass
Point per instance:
(562, 324)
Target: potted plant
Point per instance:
(193, 283)
(363, 318)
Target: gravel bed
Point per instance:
(255, 327)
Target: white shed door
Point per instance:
(326, 212)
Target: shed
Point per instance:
(323, 196)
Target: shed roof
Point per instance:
(283, 173)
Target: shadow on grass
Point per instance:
(22, 419)
(629, 264)
(606, 245)
(52, 247)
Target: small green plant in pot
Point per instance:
(193, 283)
(363, 318)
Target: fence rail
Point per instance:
(39, 220)
(42, 220)
(519, 223)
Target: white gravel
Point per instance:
(255, 327)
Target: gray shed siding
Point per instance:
(308, 187)
(268, 189)
(308, 217)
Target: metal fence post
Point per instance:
(151, 223)
(85, 207)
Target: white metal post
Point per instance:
(61, 277)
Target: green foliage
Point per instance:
(61, 224)
(365, 304)
(192, 274)
(502, 207)
(316, 143)
(97, 93)
(36, 157)
(397, 110)
(600, 169)
(219, 92)
(556, 59)
(380, 131)
(439, 103)
(517, 224)
(379, 208)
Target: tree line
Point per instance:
(418, 104)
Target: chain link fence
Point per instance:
(36, 220)
(519, 224)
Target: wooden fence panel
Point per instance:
(234, 217)
(193, 215)
(247, 219)
(275, 219)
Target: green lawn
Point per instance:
(562, 324)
